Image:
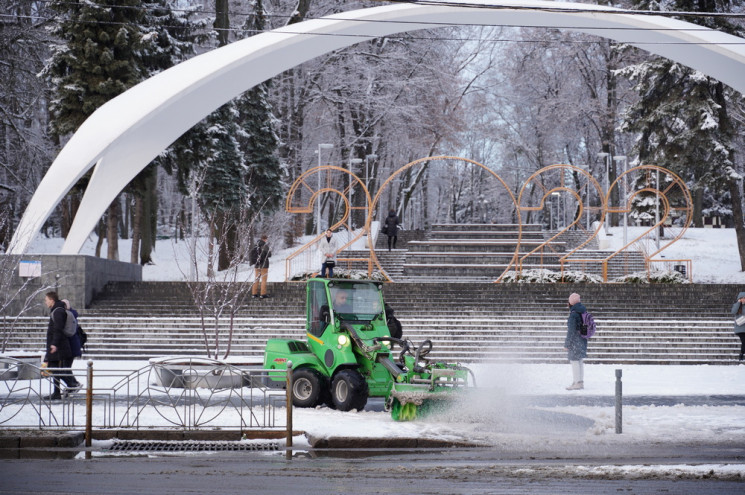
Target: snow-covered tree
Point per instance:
(682, 116)
(257, 138)
(25, 145)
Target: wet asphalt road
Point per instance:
(550, 465)
(459, 471)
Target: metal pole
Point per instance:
(587, 200)
(624, 198)
(318, 202)
(352, 161)
(619, 396)
(657, 210)
(606, 156)
(321, 146)
(607, 186)
(193, 261)
(288, 451)
(89, 410)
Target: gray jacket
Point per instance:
(738, 309)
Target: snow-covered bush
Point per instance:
(343, 274)
(541, 276)
(668, 277)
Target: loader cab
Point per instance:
(319, 315)
(352, 301)
(355, 301)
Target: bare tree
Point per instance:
(18, 295)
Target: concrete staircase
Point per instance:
(475, 252)
(467, 322)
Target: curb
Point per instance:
(350, 443)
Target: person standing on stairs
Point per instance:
(391, 228)
(328, 247)
(738, 311)
(262, 256)
(574, 344)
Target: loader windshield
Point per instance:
(356, 301)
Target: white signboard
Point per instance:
(29, 269)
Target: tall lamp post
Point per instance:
(606, 156)
(622, 158)
(557, 200)
(369, 157)
(352, 161)
(321, 146)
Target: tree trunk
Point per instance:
(737, 213)
(112, 230)
(100, 233)
(698, 206)
(222, 22)
(149, 223)
(136, 229)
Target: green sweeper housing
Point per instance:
(350, 356)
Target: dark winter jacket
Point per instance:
(576, 345)
(391, 224)
(56, 336)
(738, 309)
(75, 347)
(264, 255)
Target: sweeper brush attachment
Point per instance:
(427, 390)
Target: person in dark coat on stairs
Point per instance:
(59, 354)
(575, 345)
(738, 311)
(75, 346)
(391, 228)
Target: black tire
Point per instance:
(325, 397)
(349, 390)
(306, 387)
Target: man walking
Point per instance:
(59, 353)
(262, 254)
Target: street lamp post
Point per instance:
(352, 161)
(321, 146)
(369, 157)
(657, 210)
(557, 198)
(622, 158)
(606, 156)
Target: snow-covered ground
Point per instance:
(519, 404)
(713, 251)
(511, 394)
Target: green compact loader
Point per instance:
(349, 356)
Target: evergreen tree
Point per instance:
(681, 116)
(97, 60)
(257, 138)
(684, 122)
(168, 38)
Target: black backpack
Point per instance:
(253, 256)
(82, 336)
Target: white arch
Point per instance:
(129, 131)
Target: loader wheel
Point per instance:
(349, 390)
(306, 387)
